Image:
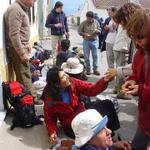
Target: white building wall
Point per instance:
(3, 62)
(89, 6)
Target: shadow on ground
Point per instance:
(31, 138)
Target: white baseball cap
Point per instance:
(86, 125)
(72, 66)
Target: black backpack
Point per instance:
(19, 99)
(106, 107)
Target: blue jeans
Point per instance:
(90, 45)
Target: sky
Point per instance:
(71, 6)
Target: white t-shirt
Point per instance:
(122, 41)
(111, 34)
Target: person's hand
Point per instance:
(106, 28)
(58, 25)
(24, 58)
(29, 48)
(86, 35)
(53, 138)
(108, 77)
(122, 145)
(112, 71)
(134, 89)
(126, 87)
(97, 32)
(114, 25)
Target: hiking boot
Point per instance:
(121, 95)
(96, 72)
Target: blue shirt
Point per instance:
(65, 96)
(89, 147)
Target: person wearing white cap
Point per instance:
(91, 133)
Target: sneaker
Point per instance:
(124, 96)
(88, 72)
(96, 72)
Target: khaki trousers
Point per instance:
(55, 39)
(22, 70)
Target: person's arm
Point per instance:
(98, 29)
(130, 86)
(66, 24)
(90, 89)
(121, 145)
(49, 21)
(81, 29)
(133, 76)
(124, 71)
(15, 23)
(50, 119)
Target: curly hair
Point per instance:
(123, 15)
(138, 26)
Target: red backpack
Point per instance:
(16, 96)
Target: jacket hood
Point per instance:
(54, 11)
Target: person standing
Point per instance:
(57, 22)
(17, 34)
(103, 34)
(89, 30)
(120, 49)
(111, 28)
(138, 83)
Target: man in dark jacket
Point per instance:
(57, 21)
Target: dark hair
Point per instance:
(52, 88)
(113, 9)
(58, 4)
(124, 14)
(90, 14)
(65, 44)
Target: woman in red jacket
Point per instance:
(62, 99)
(139, 82)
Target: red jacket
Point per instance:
(144, 90)
(54, 110)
